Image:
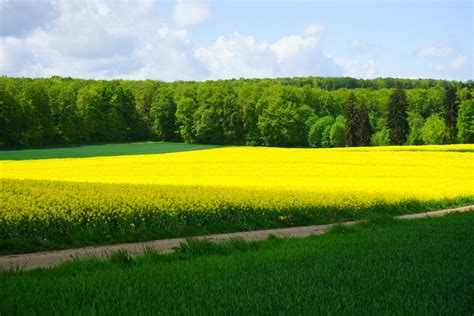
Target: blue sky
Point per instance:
(196, 40)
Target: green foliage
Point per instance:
(249, 102)
(218, 119)
(450, 113)
(320, 132)
(358, 123)
(434, 130)
(276, 112)
(351, 121)
(10, 119)
(231, 115)
(104, 111)
(337, 134)
(35, 101)
(381, 138)
(397, 116)
(121, 112)
(163, 113)
(285, 122)
(185, 112)
(364, 129)
(415, 122)
(466, 122)
(143, 92)
(65, 116)
(92, 116)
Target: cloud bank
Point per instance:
(119, 39)
(148, 39)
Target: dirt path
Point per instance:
(51, 258)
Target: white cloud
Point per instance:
(435, 52)
(94, 39)
(14, 56)
(447, 62)
(238, 55)
(188, 13)
(458, 63)
(107, 39)
(235, 56)
(290, 46)
(357, 68)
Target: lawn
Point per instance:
(385, 267)
(82, 151)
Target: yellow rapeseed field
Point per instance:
(422, 172)
(55, 203)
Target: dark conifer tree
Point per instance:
(450, 113)
(364, 130)
(351, 121)
(397, 116)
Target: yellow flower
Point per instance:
(127, 188)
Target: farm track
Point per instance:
(51, 258)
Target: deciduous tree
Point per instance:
(351, 121)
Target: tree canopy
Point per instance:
(290, 112)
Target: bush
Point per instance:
(415, 121)
(319, 133)
(434, 130)
(380, 138)
(337, 134)
(466, 122)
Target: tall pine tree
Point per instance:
(351, 121)
(364, 130)
(397, 116)
(450, 113)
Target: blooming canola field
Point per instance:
(230, 188)
(420, 174)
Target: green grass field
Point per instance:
(388, 267)
(100, 150)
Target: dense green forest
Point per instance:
(292, 112)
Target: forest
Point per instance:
(285, 112)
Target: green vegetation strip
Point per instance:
(381, 267)
(287, 112)
(100, 150)
(48, 259)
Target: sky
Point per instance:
(207, 40)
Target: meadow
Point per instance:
(384, 267)
(69, 202)
(98, 150)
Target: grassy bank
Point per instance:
(408, 267)
(99, 150)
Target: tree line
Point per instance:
(287, 112)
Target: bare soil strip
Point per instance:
(51, 258)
